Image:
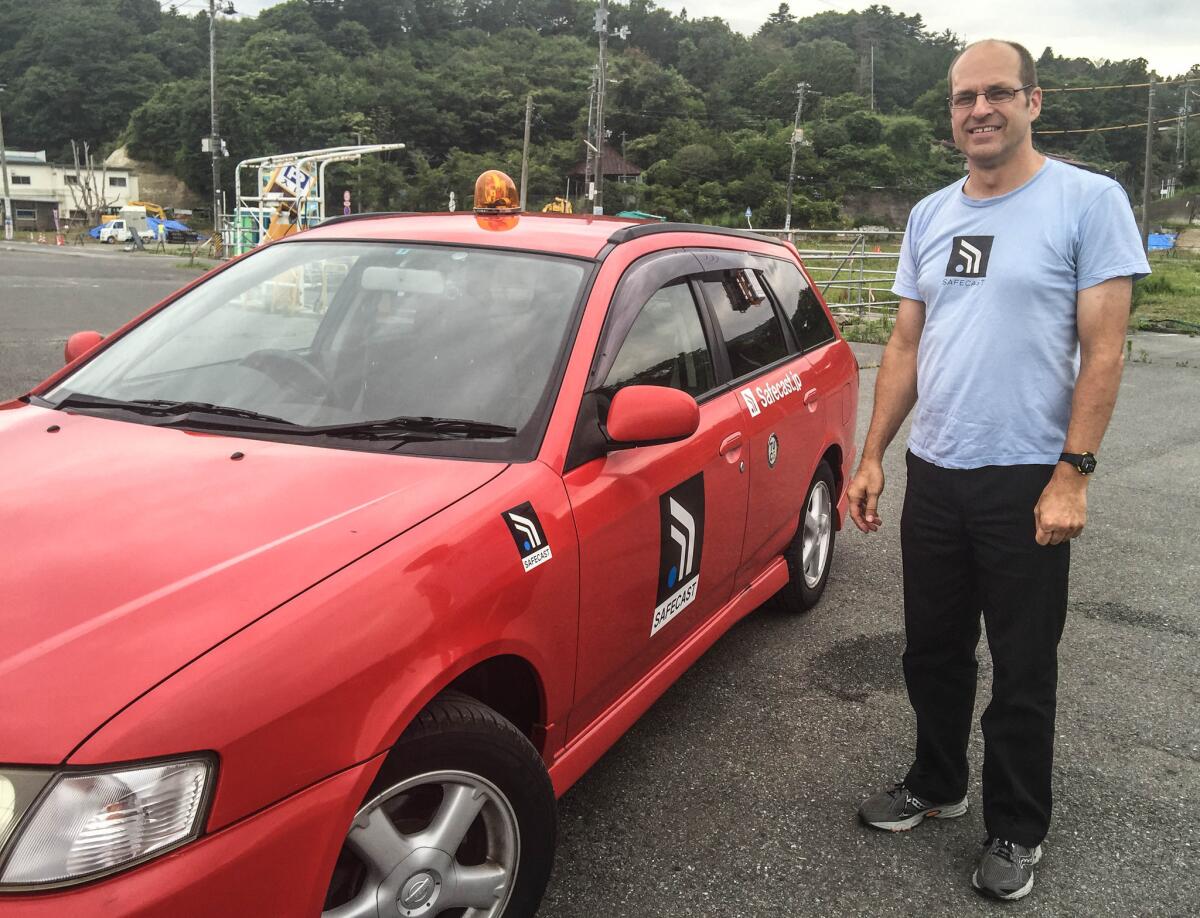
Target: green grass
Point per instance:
(871, 331)
(1171, 294)
(197, 267)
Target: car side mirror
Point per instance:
(79, 344)
(643, 415)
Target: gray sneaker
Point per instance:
(1005, 869)
(898, 809)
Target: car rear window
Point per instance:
(800, 304)
(747, 320)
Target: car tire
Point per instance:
(461, 815)
(810, 554)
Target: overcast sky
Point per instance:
(1165, 32)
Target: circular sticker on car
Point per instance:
(772, 450)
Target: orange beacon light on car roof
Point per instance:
(496, 193)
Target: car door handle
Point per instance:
(810, 396)
(731, 443)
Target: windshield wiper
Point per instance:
(164, 408)
(399, 429)
(407, 429)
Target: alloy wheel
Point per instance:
(818, 526)
(442, 843)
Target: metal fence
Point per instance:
(855, 269)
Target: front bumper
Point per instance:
(276, 862)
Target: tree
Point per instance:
(782, 16)
(88, 189)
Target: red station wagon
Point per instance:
(327, 575)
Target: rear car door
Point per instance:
(775, 392)
(660, 527)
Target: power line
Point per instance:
(1117, 86)
(1115, 127)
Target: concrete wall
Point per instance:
(891, 207)
(1181, 209)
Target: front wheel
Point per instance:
(460, 822)
(811, 551)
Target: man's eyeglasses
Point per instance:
(997, 95)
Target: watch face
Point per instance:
(1087, 464)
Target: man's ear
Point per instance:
(1035, 103)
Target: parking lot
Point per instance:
(736, 793)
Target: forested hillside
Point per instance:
(705, 111)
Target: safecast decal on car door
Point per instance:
(526, 530)
(771, 392)
(681, 521)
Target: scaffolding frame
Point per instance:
(258, 203)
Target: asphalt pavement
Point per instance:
(47, 293)
(735, 795)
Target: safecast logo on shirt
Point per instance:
(969, 256)
(681, 527)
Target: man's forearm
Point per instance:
(895, 395)
(1092, 405)
(1102, 315)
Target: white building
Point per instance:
(39, 189)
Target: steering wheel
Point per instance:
(287, 369)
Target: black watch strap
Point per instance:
(1085, 463)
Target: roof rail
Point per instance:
(345, 218)
(628, 233)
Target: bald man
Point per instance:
(1014, 288)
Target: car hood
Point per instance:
(129, 550)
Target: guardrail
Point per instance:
(855, 269)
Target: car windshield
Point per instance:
(429, 348)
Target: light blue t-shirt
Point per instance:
(999, 352)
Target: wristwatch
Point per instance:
(1085, 463)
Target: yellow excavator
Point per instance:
(152, 210)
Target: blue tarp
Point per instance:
(1157, 242)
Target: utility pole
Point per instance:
(357, 176)
(8, 212)
(587, 159)
(602, 28)
(525, 150)
(872, 76)
(214, 139)
(801, 88)
(1146, 175)
(1181, 133)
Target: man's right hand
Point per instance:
(863, 495)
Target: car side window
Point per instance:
(748, 323)
(800, 304)
(665, 346)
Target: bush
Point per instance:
(1154, 285)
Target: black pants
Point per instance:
(967, 537)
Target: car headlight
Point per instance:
(85, 824)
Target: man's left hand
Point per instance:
(1061, 512)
